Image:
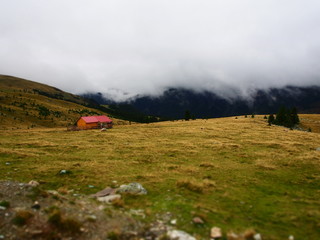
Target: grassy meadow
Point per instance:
(236, 174)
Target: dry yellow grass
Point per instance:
(239, 173)
(311, 121)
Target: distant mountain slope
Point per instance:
(28, 104)
(174, 102)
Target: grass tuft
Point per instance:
(64, 224)
(36, 192)
(191, 185)
(21, 218)
(114, 235)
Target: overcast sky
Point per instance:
(144, 46)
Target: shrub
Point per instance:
(271, 119)
(21, 217)
(5, 204)
(64, 224)
(187, 115)
(114, 235)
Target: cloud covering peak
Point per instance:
(143, 46)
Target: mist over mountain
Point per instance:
(175, 101)
(125, 48)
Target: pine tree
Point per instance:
(294, 116)
(271, 119)
(281, 116)
(286, 117)
(187, 115)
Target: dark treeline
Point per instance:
(285, 117)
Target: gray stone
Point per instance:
(216, 233)
(173, 221)
(197, 220)
(179, 235)
(105, 192)
(110, 198)
(36, 205)
(132, 188)
(63, 172)
(318, 149)
(138, 212)
(232, 236)
(92, 218)
(257, 236)
(33, 183)
(53, 192)
(34, 232)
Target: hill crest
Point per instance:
(28, 104)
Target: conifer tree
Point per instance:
(271, 119)
(281, 116)
(286, 117)
(294, 116)
(187, 115)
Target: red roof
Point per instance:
(94, 119)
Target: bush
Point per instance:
(187, 115)
(64, 224)
(271, 119)
(5, 204)
(22, 217)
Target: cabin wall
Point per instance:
(83, 125)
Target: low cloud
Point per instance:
(124, 48)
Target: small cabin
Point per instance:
(94, 122)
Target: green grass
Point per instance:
(237, 174)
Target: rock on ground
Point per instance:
(132, 188)
(109, 199)
(216, 233)
(179, 235)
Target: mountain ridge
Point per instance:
(175, 101)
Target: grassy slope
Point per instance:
(234, 173)
(20, 100)
(310, 121)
